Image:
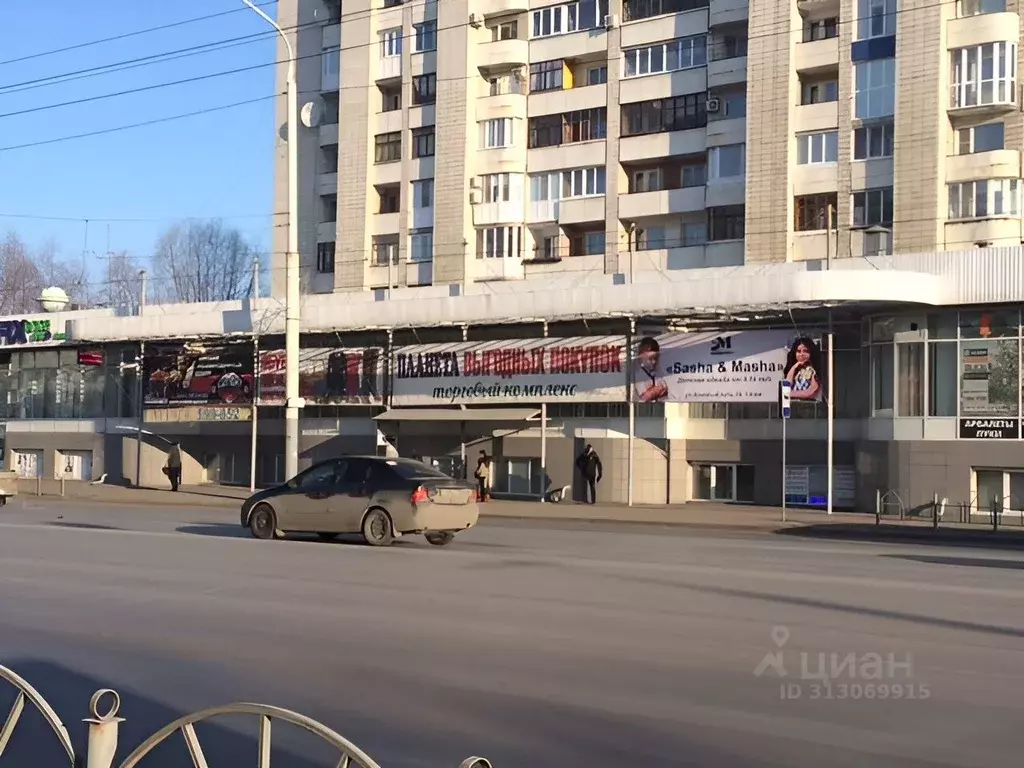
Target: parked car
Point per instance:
(380, 498)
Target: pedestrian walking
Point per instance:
(174, 466)
(483, 476)
(589, 465)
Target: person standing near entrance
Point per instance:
(589, 465)
(174, 466)
(483, 476)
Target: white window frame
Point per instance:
(583, 182)
(496, 187)
(501, 242)
(647, 180)
(423, 193)
(391, 43)
(868, 193)
(715, 155)
(876, 18)
(874, 89)
(424, 37)
(693, 233)
(967, 8)
(669, 56)
(421, 246)
(653, 238)
(984, 199)
(330, 61)
(967, 138)
(818, 148)
(545, 187)
(555, 20)
(496, 133)
(970, 79)
(602, 75)
(383, 250)
(871, 131)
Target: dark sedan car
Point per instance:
(380, 498)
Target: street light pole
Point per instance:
(291, 306)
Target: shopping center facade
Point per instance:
(923, 376)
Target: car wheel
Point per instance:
(440, 538)
(325, 536)
(263, 522)
(377, 528)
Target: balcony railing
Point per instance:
(634, 10)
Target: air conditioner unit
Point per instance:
(611, 21)
(713, 104)
(476, 196)
(476, 20)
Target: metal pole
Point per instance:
(142, 291)
(784, 469)
(543, 451)
(256, 376)
(141, 407)
(830, 413)
(828, 239)
(291, 306)
(632, 410)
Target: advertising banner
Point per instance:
(743, 367)
(326, 376)
(176, 376)
(511, 371)
(989, 429)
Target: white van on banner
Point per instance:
(590, 368)
(743, 367)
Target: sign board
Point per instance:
(30, 332)
(727, 367)
(807, 486)
(326, 376)
(194, 413)
(989, 429)
(176, 376)
(511, 371)
(785, 399)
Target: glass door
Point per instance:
(723, 482)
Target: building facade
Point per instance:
(453, 143)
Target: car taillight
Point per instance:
(420, 495)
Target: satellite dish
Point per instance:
(53, 299)
(311, 113)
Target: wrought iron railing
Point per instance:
(104, 720)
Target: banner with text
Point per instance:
(742, 367)
(326, 376)
(179, 376)
(511, 371)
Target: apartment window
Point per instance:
(390, 199)
(634, 10)
(421, 245)
(984, 198)
(423, 193)
(331, 61)
(393, 3)
(673, 55)
(650, 238)
(873, 141)
(583, 182)
(328, 209)
(546, 76)
(980, 138)
(875, 88)
(815, 212)
(497, 133)
(496, 187)
(387, 147)
(325, 258)
(507, 30)
(813, 148)
(978, 7)
(726, 162)
(693, 233)
(424, 89)
(545, 131)
(731, 104)
(545, 186)
(680, 113)
(555, 20)
(822, 29)
(693, 175)
(597, 75)
(587, 244)
(819, 91)
(726, 223)
(546, 249)
(423, 141)
(425, 37)
(585, 125)
(872, 207)
(391, 43)
(390, 99)
(329, 158)
(499, 242)
(646, 180)
(876, 18)
(730, 46)
(984, 74)
(385, 250)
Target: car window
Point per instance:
(321, 474)
(382, 477)
(410, 470)
(355, 471)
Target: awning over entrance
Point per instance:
(459, 414)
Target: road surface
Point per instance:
(534, 645)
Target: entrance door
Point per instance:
(723, 482)
(27, 463)
(73, 465)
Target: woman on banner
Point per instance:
(803, 369)
(648, 384)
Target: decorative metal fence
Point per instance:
(103, 721)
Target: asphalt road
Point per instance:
(534, 645)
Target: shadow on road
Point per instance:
(891, 533)
(218, 530)
(85, 526)
(225, 741)
(968, 562)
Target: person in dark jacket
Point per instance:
(589, 465)
(174, 466)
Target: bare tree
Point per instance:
(19, 277)
(69, 274)
(123, 284)
(202, 261)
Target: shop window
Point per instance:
(942, 379)
(910, 380)
(723, 482)
(989, 324)
(990, 377)
(882, 377)
(942, 325)
(519, 477)
(996, 486)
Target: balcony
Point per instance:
(723, 192)
(567, 100)
(654, 145)
(982, 28)
(326, 231)
(331, 36)
(585, 42)
(809, 118)
(508, 268)
(542, 211)
(503, 53)
(581, 210)
(487, 214)
(817, 55)
(661, 203)
(501, 7)
(422, 218)
(727, 12)
(998, 164)
(732, 130)
(327, 184)
(728, 71)
(328, 134)
(815, 178)
(385, 224)
(502, 104)
(389, 68)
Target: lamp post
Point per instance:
(291, 306)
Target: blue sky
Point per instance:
(214, 165)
